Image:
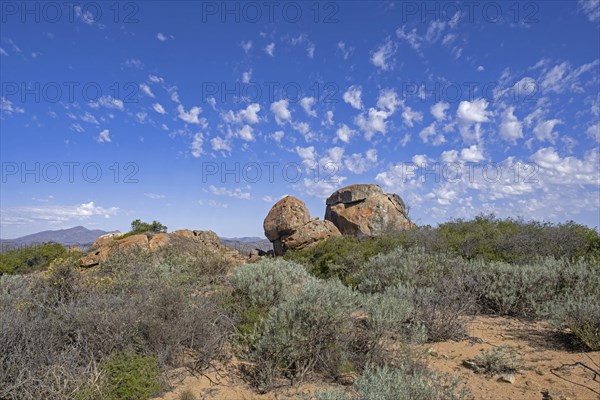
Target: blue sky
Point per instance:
(203, 114)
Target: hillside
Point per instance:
(77, 235)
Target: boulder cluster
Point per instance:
(185, 240)
(361, 210)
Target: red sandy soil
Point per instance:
(555, 368)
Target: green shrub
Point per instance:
(341, 256)
(130, 376)
(581, 314)
(31, 258)
(498, 360)
(406, 382)
(266, 283)
(522, 290)
(310, 331)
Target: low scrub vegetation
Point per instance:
(348, 308)
(30, 258)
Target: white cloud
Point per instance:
(247, 76)
(155, 79)
(196, 145)
(473, 111)
(471, 154)
(190, 117)
(55, 213)
(154, 196)
(104, 137)
(158, 108)
(270, 49)
(89, 118)
(248, 115)
(162, 37)
(431, 132)
(346, 50)
(328, 119)
(438, 110)
(412, 38)
(382, 58)
(591, 8)
(236, 193)
(7, 107)
(470, 115)
(281, 111)
(353, 95)
(141, 116)
(246, 133)
(134, 63)
(219, 144)
(373, 123)
(511, 128)
(146, 89)
(307, 103)
(267, 199)
(107, 102)
(480, 68)
(388, 100)
(77, 128)
(594, 132)
(3, 52)
(246, 46)
(358, 164)
(450, 156)
(544, 130)
(408, 116)
(344, 133)
(277, 136)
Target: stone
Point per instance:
(310, 234)
(285, 217)
(158, 241)
(377, 214)
(353, 193)
(508, 378)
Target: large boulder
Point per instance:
(285, 217)
(365, 210)
(310, 234)
(289, 226)
(190, 242)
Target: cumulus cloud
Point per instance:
(438, 110)
(104, 136)
(190, 117)
(248, 115)
(55, 214)
(374, 122)
(196, 145)
(359, 164)
(471, 154)
(107, 102)
(220, 144)
(281, 111)
(344, 133)
(306, 103)
(353, 96)
(158, 108)
(511, 128)
(270, 49)
(382, 58)
(236, 193)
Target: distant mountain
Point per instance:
(78, 235)
(246, 244)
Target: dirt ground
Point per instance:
(555, 368)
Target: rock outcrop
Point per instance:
(192, 242)
(289, 226)
(365, 210)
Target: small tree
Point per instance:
(138, 226)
